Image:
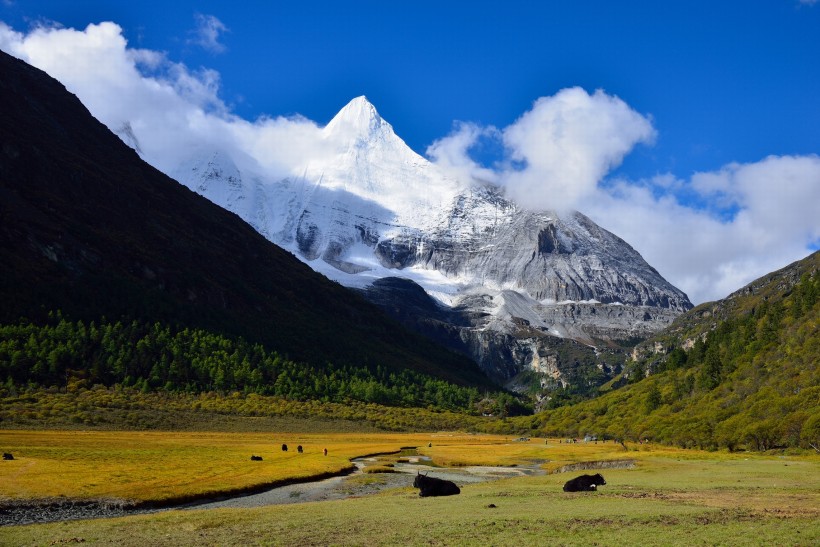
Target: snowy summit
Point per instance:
(373, 209)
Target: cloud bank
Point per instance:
(758, 218)
(708, 234)
(173, 111)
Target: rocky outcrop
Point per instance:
(524, 354)
(489, 241)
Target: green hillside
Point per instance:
(743, 372)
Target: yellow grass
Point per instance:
(497, 450)
(161, 466)
(705, 500)
(671, 496)
(166, 466)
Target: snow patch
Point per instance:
(552, 302)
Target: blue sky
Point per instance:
(723, 81)
(724, 85)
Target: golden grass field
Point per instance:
(670, 497)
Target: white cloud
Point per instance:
(758, 216)
(172, 110)
(773, 219)
(207, 32)
(451, 153)
(557, 152)
(568, 142)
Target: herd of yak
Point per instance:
(432, 486)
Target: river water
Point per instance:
(356, 484)
(348, 486)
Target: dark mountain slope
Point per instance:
(740, 372)
(88, 228)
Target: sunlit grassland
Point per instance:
(165, 466)
(663, 501)
(505, 451)
(670, 497)
(161, 466)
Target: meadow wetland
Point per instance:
(655, 495)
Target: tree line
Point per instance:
(150, 356)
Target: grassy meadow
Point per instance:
(670, 497)
(151, 466)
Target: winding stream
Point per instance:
(334, 488)
(349, 486)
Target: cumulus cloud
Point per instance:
(762, 216)
(207, 33)
(567, 143)
(709, 234)
(557, 152)
(172, 110)
(452, 153)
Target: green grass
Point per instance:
(671, 497)
(101, 408)
(634, 508)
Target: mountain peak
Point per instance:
(358, 119)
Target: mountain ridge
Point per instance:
(90, 229)
(375, 209)
(359, 117)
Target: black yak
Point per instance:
(256, 458)
(299, 449)
(584, 483)
(431, 486)
(284, 448)
(7, 456)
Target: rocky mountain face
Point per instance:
(88, 228)
(512, 288)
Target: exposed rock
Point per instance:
(517, 283)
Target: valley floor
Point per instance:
(668, 497)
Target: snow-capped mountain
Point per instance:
(503, 277)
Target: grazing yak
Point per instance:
(7, 456)
(256, 458)
(584, 483)
(431, 486)
(284, 448)
(299, 449)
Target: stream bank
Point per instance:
(346, 484)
